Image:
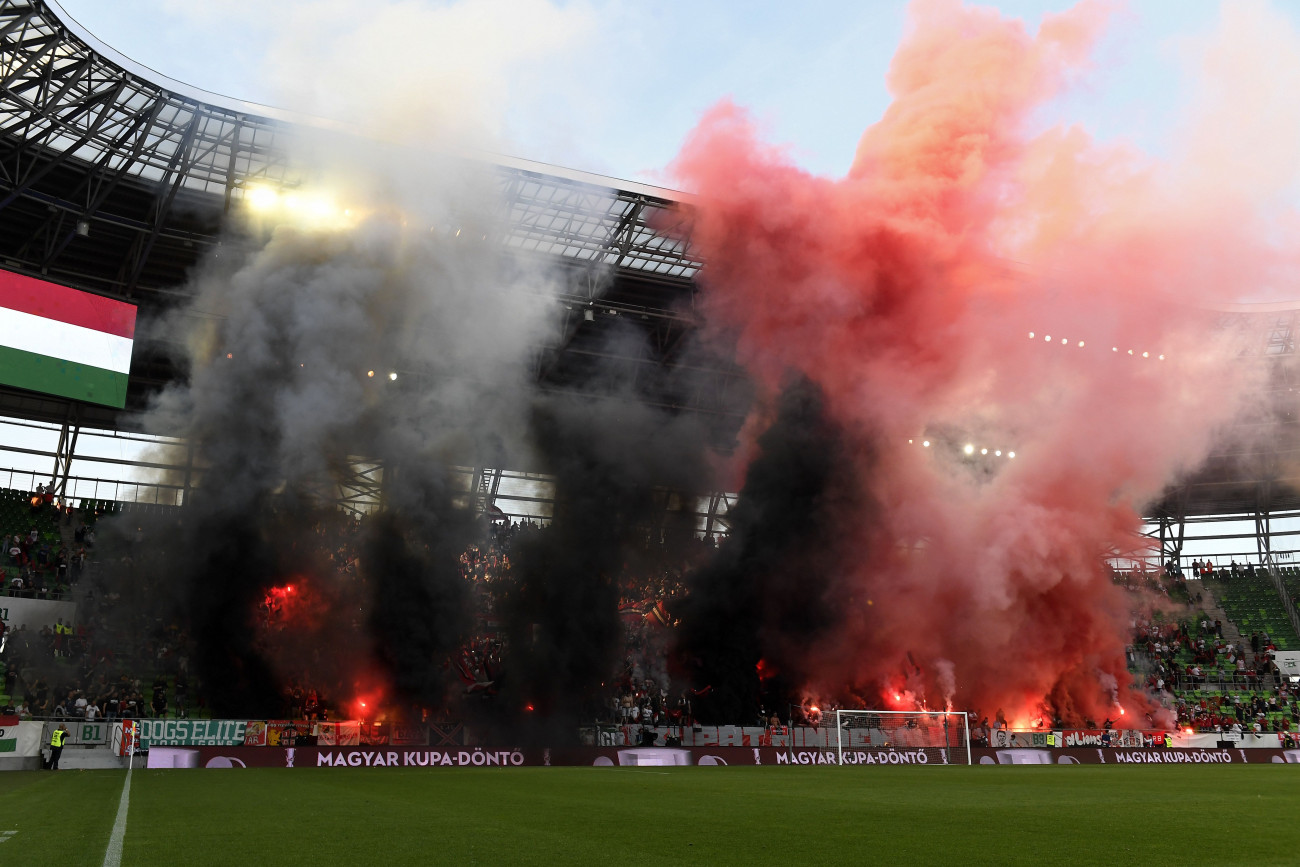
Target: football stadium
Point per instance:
(386, 500)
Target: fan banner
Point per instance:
(185, 732)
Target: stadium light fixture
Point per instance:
(392, 376)
(1047, 338)
(925, 443)
(1081, 344)
(261, 198)
(1011, 454)
(969, 449)
(1064, 341)
(1031, 335)
(984, 451)
(998, 453)
(1146, 355)
(370, 373)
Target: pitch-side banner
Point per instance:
(187, 732)
(493, 758)
(19, 738)
(1134, 756)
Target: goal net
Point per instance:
(921, 737)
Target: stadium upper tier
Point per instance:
(117, 179)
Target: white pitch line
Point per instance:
(113, 854)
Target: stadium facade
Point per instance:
(119, 181)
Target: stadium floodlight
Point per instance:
(931, 737)
(393, 376)
(969, 449)
(261, 198)
(1011, 454)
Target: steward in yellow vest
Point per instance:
(56, 746)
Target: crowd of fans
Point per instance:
(117, 661)
(1184, 656)
(35, 562)
(134, 663)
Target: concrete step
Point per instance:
(76, 759)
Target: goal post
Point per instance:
(941, 737)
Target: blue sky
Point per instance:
(615, 87)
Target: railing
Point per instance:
(1287, 601)
(87, 488)
(48, 595)
(1224, 680)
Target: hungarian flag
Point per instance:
(64, 342)
(8, 734)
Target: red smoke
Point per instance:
(908, 290)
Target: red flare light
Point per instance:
(368, 702)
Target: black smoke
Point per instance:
(614, 464)
(770, 592)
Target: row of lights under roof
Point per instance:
(969, 449)
(370, 373)
(1065, 340)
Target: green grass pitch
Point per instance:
(607, 816)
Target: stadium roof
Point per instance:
(117, 179)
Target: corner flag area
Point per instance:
(1041, 815)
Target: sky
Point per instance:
(614, 88)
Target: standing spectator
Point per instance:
(56, 745)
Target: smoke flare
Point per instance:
(1011, 327)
